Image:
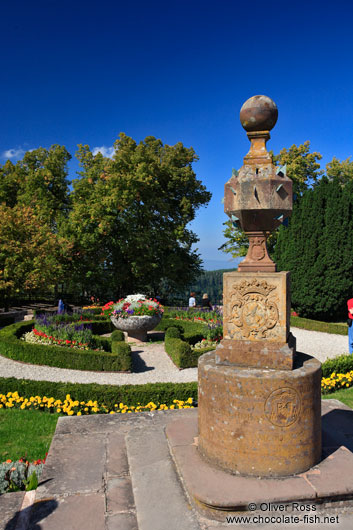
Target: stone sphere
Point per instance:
(258, 113)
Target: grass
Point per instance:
(28, 433)
(25, 433)
(338, 328)
(344, 395)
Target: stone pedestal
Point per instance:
(260, 422)
(259, 401)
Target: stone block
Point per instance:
(256, 306)
(259, 354)
(75, 464)
(74, 512)
(10, 506)
(119, 495)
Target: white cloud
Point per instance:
(13, 153)
(106, 151)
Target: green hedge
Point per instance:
(123, 352)
(340, 365)
(316, 325)
(179, 350)
(101, 327)
(192, 331)
(158, 393)
(117, 335)
(58, 356)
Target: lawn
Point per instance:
(25, 433)
(28, 433)
(346, 396)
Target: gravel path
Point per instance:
(152, 364)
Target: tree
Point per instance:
(304, 170)
(129, 216)
(317, 248)
(31, 256)
(39, 180)
(342, 171)
(34, 200)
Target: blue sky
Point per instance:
(82, 72)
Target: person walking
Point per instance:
(350, 325)
(61, 307)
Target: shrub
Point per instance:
(339, 365)
(123, 352)
(173, 333)
(192, 331)
(316, 325)
(117, 335)
(61, 357)
(108, 394)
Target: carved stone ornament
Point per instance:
(282, 407)
(254, 309)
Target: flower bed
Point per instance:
(63, 356)
(131, 395)
(20, 475)
(72, 407)
(336, 382)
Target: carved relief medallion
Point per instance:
(253, 309)
(282, 407)
(257, 250)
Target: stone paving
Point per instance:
(109, 472)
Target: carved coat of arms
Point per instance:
(253, 310)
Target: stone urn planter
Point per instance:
(137, 326)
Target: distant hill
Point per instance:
(210, 282)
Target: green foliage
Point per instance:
(34, 201)
(107, 394)
(173, 333)
(123, 352)
(315, 325)
(302, 166)
(25, 433)
(192, 331)
(122, 229)
(61, 357)
(100, 327)
(345, 396)
(117, 335)
(178, 350)
(341, 171)
(317, 248)
(179, 336)
(129, 216)
(338, 365)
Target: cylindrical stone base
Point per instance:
(260, 422)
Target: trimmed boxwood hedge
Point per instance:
(192, 331)
(117, 335)
(130, 395)
(339, 365)
(177, 343)
(59, 356)
(316, 325)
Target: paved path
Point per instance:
(132, 481)
(152, 364)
